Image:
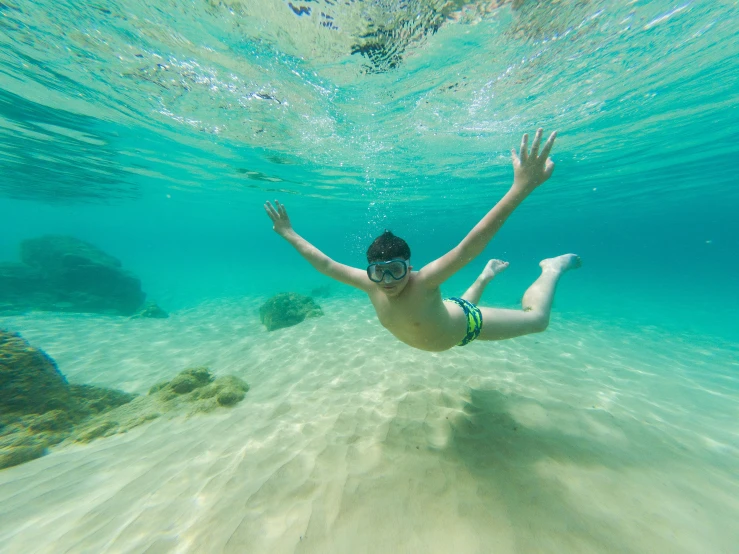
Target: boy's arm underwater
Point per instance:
(342, 273)
(529, 171)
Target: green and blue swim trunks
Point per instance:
(474, 319)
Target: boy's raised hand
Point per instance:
(531, 169)
(280, 221)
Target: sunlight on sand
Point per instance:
(591, 437)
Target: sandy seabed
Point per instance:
(592, 437)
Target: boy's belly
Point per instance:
(434, 334)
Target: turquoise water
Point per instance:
(160, 130)
(156, 130)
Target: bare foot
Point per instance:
(562, 263)
(492, 268)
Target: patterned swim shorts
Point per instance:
(474, 319)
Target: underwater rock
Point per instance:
(18, 285)
(191, 379)
(90, 400)
(226, 391)
(61, 273)
(150, 309)
(53, 420)
(54, 253)
(38, 408)
(230, 390)
(19, 455)
(192, 391)
(19, 279)
(30, 382)
(287, 309)
(199, 387)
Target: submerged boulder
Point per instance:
(82, 275)
(62, 273)
(39, 409)
(55, 253)
(198, 386)
(21, 286)
(150, 309)
(191, 379)
(30, 382)
(192, 391)
(287, 309)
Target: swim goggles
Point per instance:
(397, 269)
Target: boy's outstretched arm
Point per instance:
(343, 273)
(529, 171)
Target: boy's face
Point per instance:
(390, 276)
(394, 288)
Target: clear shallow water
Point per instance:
(157, 130)
(597, 436)
(246, 94)
(177, 120)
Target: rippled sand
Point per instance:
(592, 437)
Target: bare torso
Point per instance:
(419, 317)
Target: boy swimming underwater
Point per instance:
(409, 304)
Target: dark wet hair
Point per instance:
(388, 247)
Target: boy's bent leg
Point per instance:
(498, 324)
(492, 268)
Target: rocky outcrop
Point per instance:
(150, 309)
(30, 382)
(192, 391)
(61, 273)
(200, 384)
(39, 409)
(287, 309)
